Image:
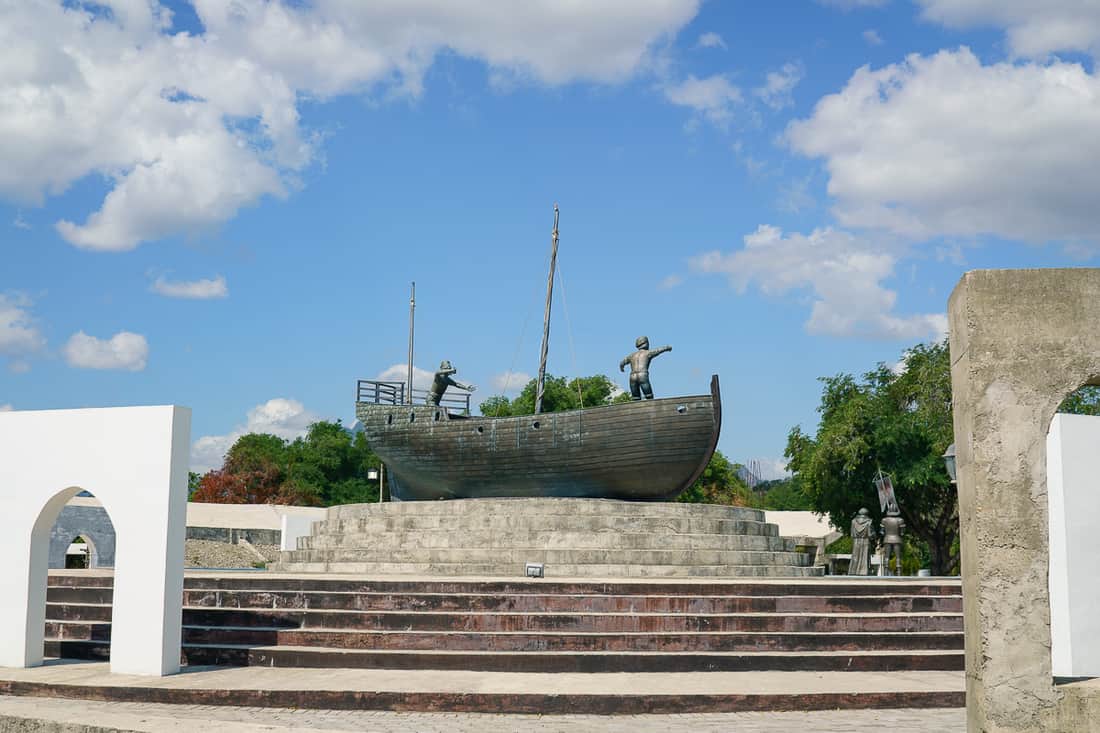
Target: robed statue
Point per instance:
(639, 368)
(443, 379)
(862, 533)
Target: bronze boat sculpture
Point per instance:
(647, 449)
(643, 450)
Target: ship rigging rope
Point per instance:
(519, 345)
(569, 330)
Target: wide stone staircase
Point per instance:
(523, 625)
(572, 538)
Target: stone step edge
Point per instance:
(584, 653)
(765, 654)
(480, 702)
(836, 594)
(551, 634)
(556, 614)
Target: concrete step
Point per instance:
(517, 556)
(544, 507)
(582, 523)
(580, 622)
(225, 634)
(265, 599)
(557, 540)
(595, 662)
(352, 596)
(617, 623)
(554, 570)
(264, 581)
(494, 692)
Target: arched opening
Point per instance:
(78, 585)
(81, 554)
(1073, 504)
(85, 519)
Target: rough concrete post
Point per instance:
(1021, 340)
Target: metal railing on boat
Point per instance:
(393, 393)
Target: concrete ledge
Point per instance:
(493, 692)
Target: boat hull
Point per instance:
(647, 450)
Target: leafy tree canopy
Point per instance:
(1083, 401)
(783, 495)
(327, 466)
(558, 394)
(899, 422)
(719, 484)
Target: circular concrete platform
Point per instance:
(569, 537)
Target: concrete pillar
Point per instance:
(1021, 340)
(135, 461)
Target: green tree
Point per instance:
(558, 394)
(330, 465)
(718, 484)
(783, 495)
(326, 466)
(193, 481)
(899, 423)
(1082, 401)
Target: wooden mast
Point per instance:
(546, 315)
(412, 311)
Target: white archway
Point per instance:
(135, 460)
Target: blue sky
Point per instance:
(222, 205)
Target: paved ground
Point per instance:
(97, 674)
(70, 716)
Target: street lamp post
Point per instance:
(377, 473)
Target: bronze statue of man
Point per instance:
(862, 528)
(892, 528)
(443, 380)
(639, 368)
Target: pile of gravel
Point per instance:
(210, 554)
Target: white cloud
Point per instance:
(19, 222)
(124, 350)
(710, 40)
(795, 196)
(422, 378)
(19, 334)
(712, 98)
(872, 37)
(1034, 29)
(778, 85)
(843, 271)
(510, 381)
(944, 145)
(6, 408)
(280, 416)
(203, 289)
(188, 129)
(670, 282)
(853, 4)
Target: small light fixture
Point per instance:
(949, 461)
(533, 570)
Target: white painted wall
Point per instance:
(800, 524)
(295, 526)
(1073, 475)
(135, 460)
(248, 516)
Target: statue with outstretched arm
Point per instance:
(639, 368)
(443, 379)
